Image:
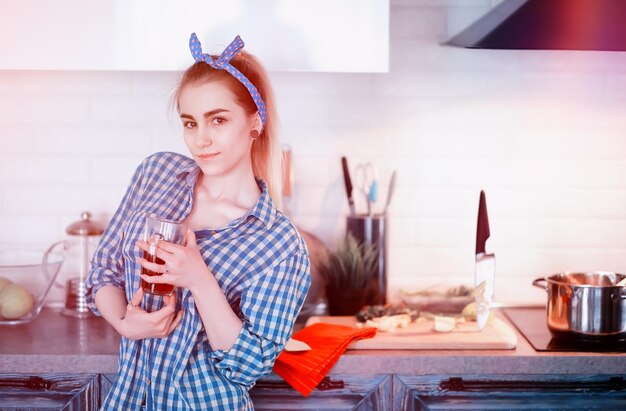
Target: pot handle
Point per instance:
(538, 283)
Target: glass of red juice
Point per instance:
(160, 229)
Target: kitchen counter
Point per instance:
(56, 343)
(59, 344)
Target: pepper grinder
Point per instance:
(75, 302)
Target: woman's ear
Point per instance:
(258, 123)
(256, 128)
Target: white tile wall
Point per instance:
(543, 132)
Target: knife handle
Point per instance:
(348, 183)
(482, 229)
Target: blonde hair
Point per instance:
(266, 150)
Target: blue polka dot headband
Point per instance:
(223, 63)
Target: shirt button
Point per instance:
(148, 381)
(213, 232)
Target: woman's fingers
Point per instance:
(139, 324)
(164, 249)
(157, 268)
(137, 298)
(166, 327)
(168, 309)
(191, 238)
(176, 322)
(157, 279)
(170, 300)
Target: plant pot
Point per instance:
(345, 301)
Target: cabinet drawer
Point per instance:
(337, 392)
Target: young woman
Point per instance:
(243, 274)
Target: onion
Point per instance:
(15, 301)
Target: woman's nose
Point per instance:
(204, 137)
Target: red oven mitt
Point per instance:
(303, 370)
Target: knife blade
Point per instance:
(348, 183)
(485, 267)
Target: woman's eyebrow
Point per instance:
(206, 115)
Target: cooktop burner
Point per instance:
(532, 324)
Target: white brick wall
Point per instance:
(543, 132)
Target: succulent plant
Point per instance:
(351, 265)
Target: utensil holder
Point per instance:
(372, 230)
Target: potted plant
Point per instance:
(348, 273)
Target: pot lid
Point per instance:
(85, 226)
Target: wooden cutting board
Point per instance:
(419, 335)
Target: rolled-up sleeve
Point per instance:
(270, 306)
(107, 264)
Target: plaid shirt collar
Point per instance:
(263, 210)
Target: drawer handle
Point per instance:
(328, 384)
(32, 383)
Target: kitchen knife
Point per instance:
(348, 182)
(485, 268)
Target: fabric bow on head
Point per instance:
(223, 63)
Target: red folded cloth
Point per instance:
(303, 370)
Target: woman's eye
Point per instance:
(218, 120)
(189, 124)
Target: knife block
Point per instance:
(372, 230)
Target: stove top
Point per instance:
(532, 324)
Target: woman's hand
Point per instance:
(138, 324)
(184, 266)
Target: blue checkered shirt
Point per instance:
(261, 264)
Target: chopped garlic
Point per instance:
(388, 323)
(444, 324)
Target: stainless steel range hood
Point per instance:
(549, 25)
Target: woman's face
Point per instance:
(216, 128)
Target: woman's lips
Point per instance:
(207, 156)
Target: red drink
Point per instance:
(160, 229)
(158, 289)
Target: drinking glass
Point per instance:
(160, 229)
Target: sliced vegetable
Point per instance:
(444, 324)
(296, 345)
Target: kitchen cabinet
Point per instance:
(337, 392)
(49, 392)
(153, 35)
(506, 392)
(353, 392)
(106, 382)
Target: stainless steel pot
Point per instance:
(585, 304)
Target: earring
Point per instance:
(254, 134)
